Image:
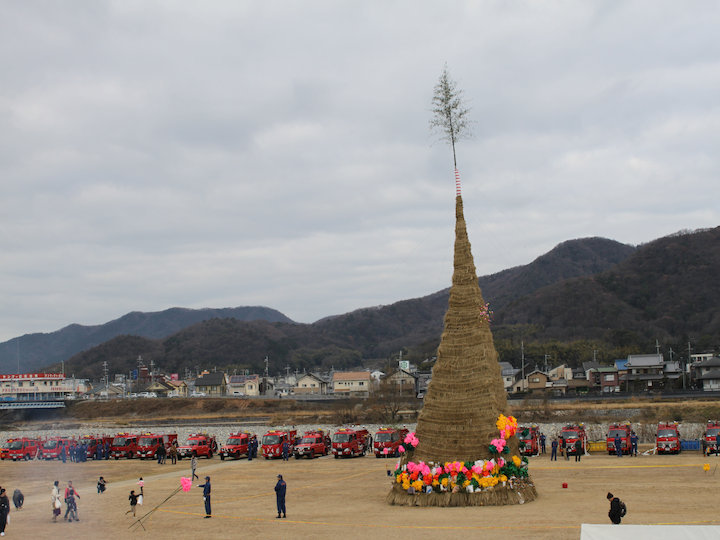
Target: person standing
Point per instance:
(173, 454)
(285, 450)
(63, 453)
(578, 450)
(553, 450)
(542, 443)
(55, 499)
(280, 490)
(206, 497)
(193, 466)
(633, 444)
(4, 510)
(618, 445)
(566, 449)
(617, 509)
(71, 504)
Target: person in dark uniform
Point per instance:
(578, 450)
(553, 450)
(616, 509)
(4, 510)
(280, 490)
(285, 450)
(206, 497)
(542, 443)
(618, 446)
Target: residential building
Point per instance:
(706, 374)
(311, 383)
(243, 385)
(212, 384)
(351, 383)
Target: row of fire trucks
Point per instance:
(346, 442)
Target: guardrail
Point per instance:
(32, 404)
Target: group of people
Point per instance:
(69, 496)
(617, 441)
(561, 444)
(78, 452)
(18, 501)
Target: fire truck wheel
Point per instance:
(222, 457)
(209, 456)
(297, 456)
(336, 456)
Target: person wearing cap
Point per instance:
(206, 497)
(4, 510)
(280, 489)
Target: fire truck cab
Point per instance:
(21, 449)
(124, 445)
(529, 437)
(198, 444)
(272, 443)
(709, 441)
(619, 430)
(312, 444)
(149, 444)
(349, 442)
(571, 434)
(387, 441)
(667, 439)
(52, 447)
(237, 445)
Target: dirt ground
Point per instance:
(329, 498)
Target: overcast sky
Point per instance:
(219, 154)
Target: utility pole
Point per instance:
(152, 369)
(105, 374)
(657, 347)
(265, 376)
(546, 363)
(522, 359)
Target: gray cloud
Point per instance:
(237, 153)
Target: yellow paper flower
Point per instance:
(517, 461)
(418, 485)
(444, 482)
(503, 478)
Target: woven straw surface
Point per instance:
(466, 393)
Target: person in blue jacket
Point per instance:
(280, 490)
(206, 497)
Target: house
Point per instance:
(508, 373)
(644, 372)
(180, 388)
(351, 383)
(706, 374)
(606, 379)
(212, 384)
(422, 381)
(163, 388)
(243, 385)
(537, 381)
(403, 380)
(310, 383)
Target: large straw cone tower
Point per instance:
(466, 394)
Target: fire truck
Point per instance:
(312, 444)
(572, 433)
(92, 442)
(198, 444)
(149, 444)
(387, 441)
(237, 445)
(349, 442)
(272, 443)
(123, 445)
(52, 447)
(619, 430)
(21, 449)
(529, 437)
(710, 437)
(667, 439)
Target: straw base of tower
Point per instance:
(522, 491)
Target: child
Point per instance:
(101, 485)
(141, 483)
(133, 502)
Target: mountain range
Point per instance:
(584, 296)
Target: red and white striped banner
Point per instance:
(457, 182)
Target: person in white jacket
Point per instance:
(56, 501)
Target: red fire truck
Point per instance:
(619, 430)
(349, 442)
(52, 447)
(529, 437)
(237, 445)
(198, 444)
(149, 444)
(709, 441)
(387, 441)
(22, 448)
(667, 439)
(123, 445)
(572, 433)
(313, 443)
(272, 443)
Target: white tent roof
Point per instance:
(650, 532)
